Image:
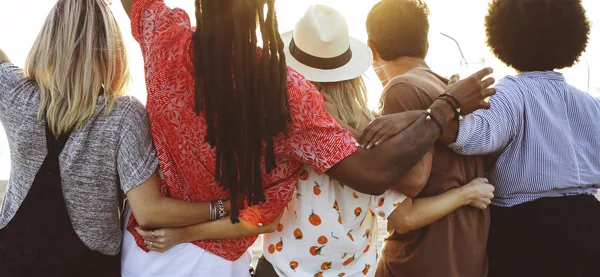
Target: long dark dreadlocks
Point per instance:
(241, 90)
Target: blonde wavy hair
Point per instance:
(351, 99)
(78, 56)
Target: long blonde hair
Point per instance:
(78, 55)
(351, 99)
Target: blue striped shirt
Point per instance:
(541, 137)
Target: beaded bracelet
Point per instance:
(430, 117)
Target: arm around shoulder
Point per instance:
(417, 213)
(415, 180)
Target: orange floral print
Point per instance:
(336, 206)
(340, 218)
(350, 235)
(349, 260)
(326, 266)
(280, 227)
(380, 202)
(271, 249)
(279, 245)
(293, 265)
(314, 219)
(355, 195)
(368, 233)
(322, 240)
(357, 211)
(366, 270)
(344, 256)
(316, 250)
(342, 274)
(367, 248)
(397, 204)
(319, 274)
(317, 189)
(303, 175)
(298, 233)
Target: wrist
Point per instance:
(442, 112)
(227, 205)
(190, 234)
(464, 195)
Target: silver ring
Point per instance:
(151, 243)
(153, 237)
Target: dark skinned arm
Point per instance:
(376, 170)
(416, 179)
(401, 96)
(412, 182)
(451, 131)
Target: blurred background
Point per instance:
(455, 24)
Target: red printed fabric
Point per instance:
(187, 162)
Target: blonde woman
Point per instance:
(75, 142)
(329, 229)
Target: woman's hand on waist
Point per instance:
(478, 193)
(161, 240)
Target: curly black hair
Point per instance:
(399, 28)
(537, 35)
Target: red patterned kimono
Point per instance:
(187, 162)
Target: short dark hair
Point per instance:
(537, 35)
(399, 28)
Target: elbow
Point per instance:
(378, 187)
(411, 188)
(145, 218)
(372, 185)
(145, 222)
(269, 229)
(410, 192)
(380, 183)
(403, 225)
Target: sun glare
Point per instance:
(451, 20)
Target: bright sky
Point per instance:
(461, 19)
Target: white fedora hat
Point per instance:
(321, 49)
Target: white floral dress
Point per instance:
(328, 229)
